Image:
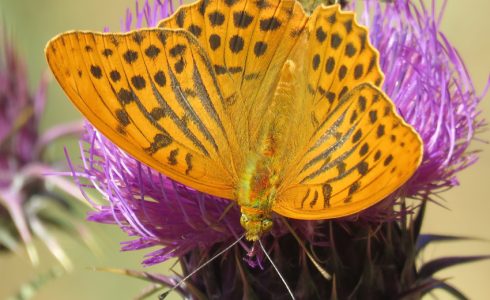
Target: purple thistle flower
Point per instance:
(428, 82)
(24, 188)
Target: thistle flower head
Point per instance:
(429, 83)
(24, 189)
(20, 113)
(424, 76)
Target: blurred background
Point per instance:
(33, 23)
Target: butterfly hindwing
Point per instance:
(358, 155)
(356, 150)
(154, 94)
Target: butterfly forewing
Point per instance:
(248, 43)
(360, 154)
(340, 57)
(154, 94)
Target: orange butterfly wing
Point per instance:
(359, 150)
(154, 94)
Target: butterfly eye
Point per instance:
(243, 218)
(266, 224)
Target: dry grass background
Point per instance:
(33, 23)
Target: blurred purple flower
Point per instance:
(426, 79)
(23, 185)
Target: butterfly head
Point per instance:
(255, 222)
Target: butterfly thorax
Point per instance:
(256, 193)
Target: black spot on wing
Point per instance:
(327, 193)
(335, 41)
(358, 71)
(230, 3)
(179, 66)
(160, 140)
(157, 113)
(115, 76)
(364, 149)
(96, 71)
(172, 157)
(388, 160)
(316, 62)
(261, 4)
(357, 136)
(348, 26)
(216, 18)
(160, 78)
(344, 90)
(202, 7)
(353, 117)
(373, 116)
(242, 19)
(236, 43)
(304, 198)
(270, 24)
(130, 56)
(138, 82)
(195, 30)
(152, 51)
(314, 200)
(260, 48)
(178, 49)
(330, 65)
(342, 72)
(138, 38)
(352, 189)
(122, 117)
(214, 41)
(330, 96)
(363, 168)
(188, 161)
(180, 18)
(362, 103)
(125, 96)
(107, 52)
(380, 131)
(320, 34)
(350, 50)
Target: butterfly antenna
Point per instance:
(165, 294)
(277, 270)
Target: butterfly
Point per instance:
(252, 101)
